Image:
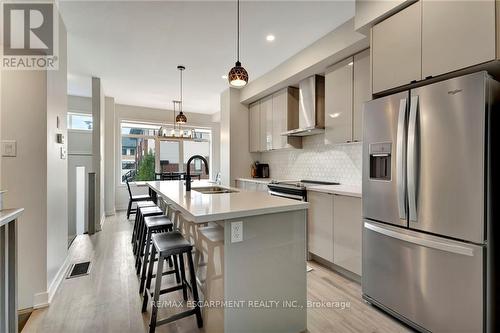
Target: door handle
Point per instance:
(432, 243)
(413, 159)
(401, 159)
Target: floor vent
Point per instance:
(80, 269)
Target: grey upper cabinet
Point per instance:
(431, 38)
(362, 92)
(338, 102)
(456, 34)
(396, 49)
(271, 116)
(254, 127)
(285, 117)
(347, 87)
(266, 124)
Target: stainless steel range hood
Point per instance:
(311, 107)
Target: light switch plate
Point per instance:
(9, 148)
(63, 153)
(60, 138)
(236, 232)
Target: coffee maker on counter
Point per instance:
(260, 170)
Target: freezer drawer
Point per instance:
(433, 282)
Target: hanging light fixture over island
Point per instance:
(238, 76)
(181, 118)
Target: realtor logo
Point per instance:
(29, 31)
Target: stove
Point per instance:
(296, 190)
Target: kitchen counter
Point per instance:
(262, 261)
(200, 207)
(347, 190)
(8, 269)
(9, 215)
(256, 180)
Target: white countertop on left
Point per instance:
(200, 207)
(9, 215)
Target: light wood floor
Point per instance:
(108, 299)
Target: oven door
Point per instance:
(287, 195)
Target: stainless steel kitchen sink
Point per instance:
(213, 190)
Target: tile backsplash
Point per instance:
(317, 161)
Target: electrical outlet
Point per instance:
(236, 232)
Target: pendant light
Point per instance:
(238, 76)
(181, 118)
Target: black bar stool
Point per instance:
(134, 198)
(171, 244)
(153, 225)
(139, 237)
(140, 204)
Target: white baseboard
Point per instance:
(61, 273)
(110, 213)
(101, 222)
(40, 300)
(120, 208)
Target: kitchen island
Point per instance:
(264, 274)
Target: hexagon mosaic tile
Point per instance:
(317, 161)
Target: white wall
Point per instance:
(152, 115)
(36, 177)
(79, 154)
(335, 46)
(57, 168)
(236, 159)
(369, 12)
(80, 104)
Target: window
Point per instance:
(140, 146)
(169, 156)
(202, 148)
(79, 121)
(138, 151)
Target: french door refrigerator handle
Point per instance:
(441, 245)
(401, 159)
(412, 159)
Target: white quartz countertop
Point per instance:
(255, 180)
(200, 207)
(9, 215)
(347, 190)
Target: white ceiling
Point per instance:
(135, 47)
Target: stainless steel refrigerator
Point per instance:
(429, 170)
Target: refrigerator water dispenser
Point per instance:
(380, 161)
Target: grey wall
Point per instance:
(36, 177)
(236, 159)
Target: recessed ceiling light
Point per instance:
(350, 64)
(270, 38)
(224, 77)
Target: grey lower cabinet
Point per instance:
(347, 231)
(335, 229)
(320, 225)
(250, 185)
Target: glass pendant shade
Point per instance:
(238, 76)
(181, 118)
